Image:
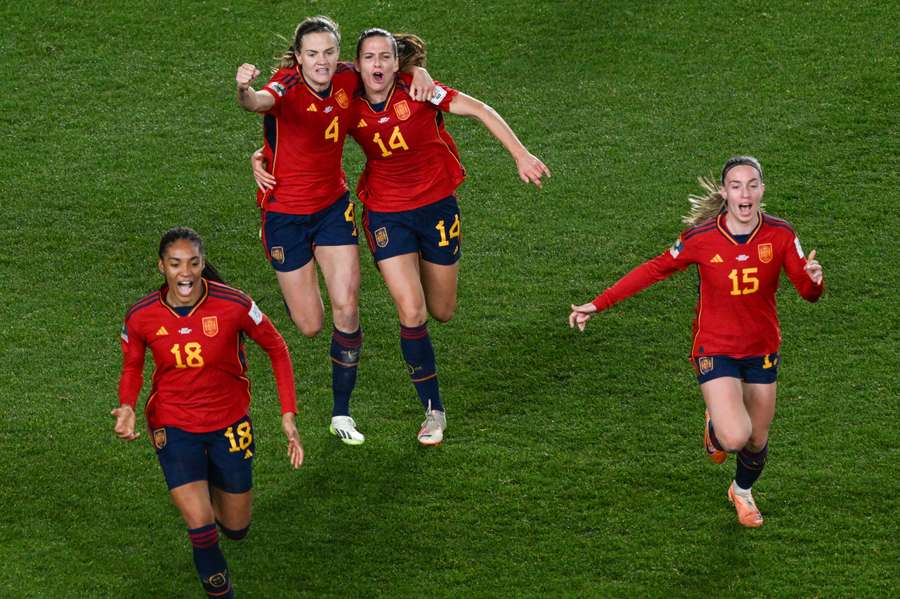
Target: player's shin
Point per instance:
(750, 465)
(415, 343)
(345, 349)
(210, 562)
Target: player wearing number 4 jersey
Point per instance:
(198, 409)
(739, 252)
(411, 218)
(307, 215)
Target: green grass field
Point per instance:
(573, 463)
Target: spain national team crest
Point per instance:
(381, 237)
(277, 254)
(765, 252)
(210, 326)
(159, 438)
(401, 109)
(341, 98)
(705, 364)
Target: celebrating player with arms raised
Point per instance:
(739, 251)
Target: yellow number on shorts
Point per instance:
(193, 359)
(751, 283)
(454, 231)
(350, 216)
(244, 437)
(396, 142)
(332, 131)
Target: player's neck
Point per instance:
(738, 227)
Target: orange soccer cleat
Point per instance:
(716, 456)
(747, 513)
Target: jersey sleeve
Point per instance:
(259, 328)
(443, 96)
(794, 264)
(650, 272)
(132, 377)
(279, 85)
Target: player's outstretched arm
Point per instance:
(580, 315)
(264, 179)
(247, 97)
(530, 167)
(124, 426)
(295, 446)
(421, 89)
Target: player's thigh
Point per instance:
(403, 279)
(440, 283)
(439, 230)
(300, 289)
(230, 451)
(759, 399)
(340, 268)
(193, 502)
(724, 400)
(233, 510)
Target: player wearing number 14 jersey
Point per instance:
(198, 409)
(408, 190)
(739, 252)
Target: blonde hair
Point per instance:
(704, 206)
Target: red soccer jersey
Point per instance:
(304, 141)
(736, 312)
(411, 160)
(200, 381)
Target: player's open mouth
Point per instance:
(745, 209)
(184, 287)
(378, 76)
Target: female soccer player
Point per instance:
(198, 410)
(411, 218)
(739, 251)
(308, 217)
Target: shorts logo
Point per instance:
(705, 364)
(401, 109)
(765, 252)
(159, 438)
(277, 254)
(381, 237)
(210, 326)
(341, 98)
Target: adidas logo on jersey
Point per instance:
(312, 108)
(361, 124)
(717, 259)
(162, 332)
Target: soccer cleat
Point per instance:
(716, 456)
(432, 431)
(345, 428)
(747, 513)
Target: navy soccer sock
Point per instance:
(749, 466)
(345, 349)
(210, 562)
(712, 437)
(415, 343)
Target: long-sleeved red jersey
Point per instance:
(200, 382)
(736, 311)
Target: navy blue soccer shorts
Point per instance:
(432, 231)
(224, 457)
(291, 239)
(756, 369)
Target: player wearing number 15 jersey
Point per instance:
(411, 216)
(739, 252)
(198, 409)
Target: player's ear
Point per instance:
(162, 269)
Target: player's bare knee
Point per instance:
(732, 440)
(308, 327)
(443, 313)
(346, 316)
(412, 315)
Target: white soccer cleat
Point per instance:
(345, 428)
(432, 431)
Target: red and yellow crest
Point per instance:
(381, 237)
(705, 364)
(765, 252)
(210, 326)
(341, 98)
(401, 109)
(159, 438)
(277, 253)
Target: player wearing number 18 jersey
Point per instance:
(198, 409)
(739, 252)
(411, 218)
